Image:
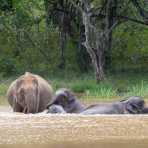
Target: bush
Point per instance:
(7, 66)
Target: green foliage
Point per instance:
(84, 86)
(115, 86)
(139, 89)
(7, 66)
(4, 84)
(91, 89)
(27, 44)
(130, 47)
(6, 5)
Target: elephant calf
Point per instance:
(29, 94)
(56, 109)
(131, 105)
(67, 100)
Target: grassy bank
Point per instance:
(113, 87)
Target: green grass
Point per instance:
(114, 87)
(4, 84)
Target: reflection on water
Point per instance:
(69, 131)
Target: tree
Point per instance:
(6, 5)
(60, 13)
(99, 24)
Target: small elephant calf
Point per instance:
(56, 109)
(66, 99)
(131, 105)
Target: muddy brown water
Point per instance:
(70, 131)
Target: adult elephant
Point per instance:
(131, 105)
(67, 100)
(29, 93)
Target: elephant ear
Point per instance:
(132, 108)
(19, 93)
(19, 83)
(63, 97)
(70, 96)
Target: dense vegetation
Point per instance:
(117, 86)
(47, 37)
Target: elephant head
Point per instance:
(56, 109)
(27, 95)
(67, 100)
(134, 104)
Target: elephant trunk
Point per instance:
(32, 101)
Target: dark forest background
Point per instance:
(58, 36)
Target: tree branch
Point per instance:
(141, 11)
(132, 20)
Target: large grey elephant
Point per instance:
(131, 105)
(67, 100)
(29, 93)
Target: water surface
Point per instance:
(69, 131)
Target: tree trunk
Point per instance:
(62, 49)
(100, 72)
(47, 10)
(110, 16)
(83, 58)
(47, 21)
(95, 46)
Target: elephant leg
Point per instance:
(25, 110)
(17, 108)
